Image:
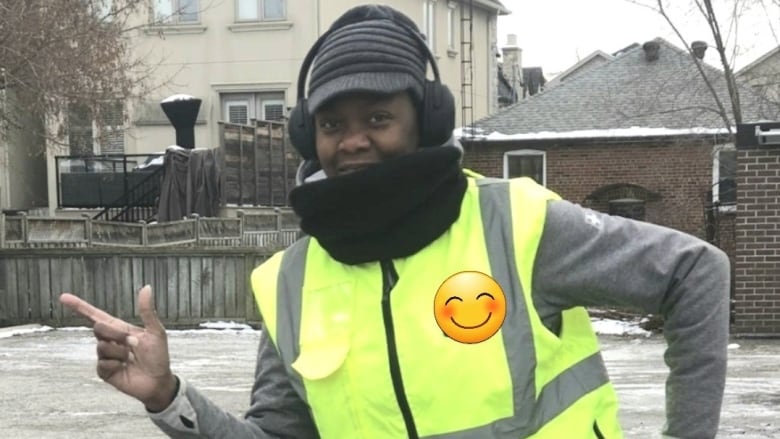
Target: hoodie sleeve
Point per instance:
(276, 411)
(586, 258)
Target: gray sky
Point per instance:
(554, 34)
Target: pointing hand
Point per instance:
(132, 359)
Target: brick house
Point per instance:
(636, 136)
(757, 267)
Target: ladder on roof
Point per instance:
(467, 68)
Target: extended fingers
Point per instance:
(96, 315)
(84, 308)
(148, 313)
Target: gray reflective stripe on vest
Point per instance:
(530, 413)
(288, 308)
(559, 394)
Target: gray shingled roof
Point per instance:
(627, 92)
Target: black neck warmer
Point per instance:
(390, 210)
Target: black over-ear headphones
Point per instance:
(437, 112)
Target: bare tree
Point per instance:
(723, 22)
(60, 54)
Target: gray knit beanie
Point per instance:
(372, 52)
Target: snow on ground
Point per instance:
(23, 329)
(600, 325)
(618, 327)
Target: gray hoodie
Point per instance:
(585, 258)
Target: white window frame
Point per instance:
(429, 23)
(175, 16)
(255, 102)
(527, 152)
(451, 32)
(716, 176)
(260, 16)
(237, 101)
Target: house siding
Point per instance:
(757, 271)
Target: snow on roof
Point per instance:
(178, 97)
(592, 134)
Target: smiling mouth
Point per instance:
(354, 168)
(471, 327)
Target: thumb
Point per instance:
(148, 313)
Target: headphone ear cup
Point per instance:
(300, 127)
(438, 118)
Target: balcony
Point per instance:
(106, 181)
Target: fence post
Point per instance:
(284, 159)
(196, 225)
(240, 214)
(255, 166)
(278, 225)
(87, 228)
(270, 163)
(144, 233)
(240, 165)
(25, 236)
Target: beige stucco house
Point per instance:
(242, 57)
(22, 159)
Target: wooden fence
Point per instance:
(190, 285)
(198, 267)
(276, 228)
(258, 163)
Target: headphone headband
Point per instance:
(309, 59)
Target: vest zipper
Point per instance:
(389, 279)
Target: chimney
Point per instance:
(182, 111)
(698, 48)
(512, 62)
(651, 50)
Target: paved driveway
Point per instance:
(48, 388)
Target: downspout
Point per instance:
(5, 197)
(317, 14)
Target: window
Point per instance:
(260, 10)
(451, 25)
(429, 23)
(724, 173)
(628, 208)
(237, 111)
(273, 109)
(80, 138)
(241, 108)
(176, 11)
(101, 131)
(526, 163)
(109, 123)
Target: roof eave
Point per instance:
(628, 138)
(492, 5)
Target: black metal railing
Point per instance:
(112, 183)
(138, 203)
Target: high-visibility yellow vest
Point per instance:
(362, 347)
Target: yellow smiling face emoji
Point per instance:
(469, 307)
